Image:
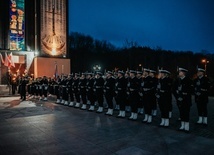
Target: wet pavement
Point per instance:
(38, 127)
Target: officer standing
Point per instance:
(82, 88)
(90, 90)
(109, 87)
(70, 90)
(23, 83)
(67, 89)
(154, 82)
(75, 86)
(140, 103)
(147, 92)
(63, 89)
(201, 87)
(183, 97)
(120, 90)
(45, 88)
(57, 89)
(163, 95)
(98, 89)
(133, 92)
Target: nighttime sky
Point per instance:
(170, 24)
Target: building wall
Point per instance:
(47, 66)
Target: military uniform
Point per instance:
(45, 87)
(67, 89)
(154, 82)
(57, 89)
(183, 97)
(75, 87)
(133, 92)
(98, 89)
(147, 92)
(23, 83)
(140, 103)
(201, 87)
(121, 96)
(163, 96)
(90, 91)
(109, 87)
(82, 88)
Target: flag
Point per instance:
(56, 71)
(2, 60)
(6, 62)
(10, 59)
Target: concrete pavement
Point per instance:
(38, 127)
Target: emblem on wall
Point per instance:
(53, 27)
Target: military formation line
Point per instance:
(134, 91)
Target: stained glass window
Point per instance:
(17, 25)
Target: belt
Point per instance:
(146, 89)
(98, 86)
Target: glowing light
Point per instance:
(54, 46)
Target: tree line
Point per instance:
(85, 52)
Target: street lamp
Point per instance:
(97, 68)
(205, 64)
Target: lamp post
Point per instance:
(205, 64)
(97, 68)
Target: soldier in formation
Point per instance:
(134, 91)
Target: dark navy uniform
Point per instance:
(98, 88)
(183, 97)
(90, 92)
(23, 83)
(147, 90)
(82, 90)
(154, 82)
(164, 96)
(201, 87)
(44, 83)
(109, 87)
(133, 90)
(121, 96)
(75, 88)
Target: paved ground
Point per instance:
(36, 127)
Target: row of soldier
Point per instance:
(142, 91)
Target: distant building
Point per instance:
(33, 34)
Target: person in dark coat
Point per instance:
(120, 91)
(147, 92)
(23, 83)
(183, 97)
(67, 89)
(133, 92)
(109, 91)
(154, 82)
(163, 95)
(82, 89)
(98, 89)
(141, 103)
(90, 91)
(75, 87)
(201, 87)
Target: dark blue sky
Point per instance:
(170, 24)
